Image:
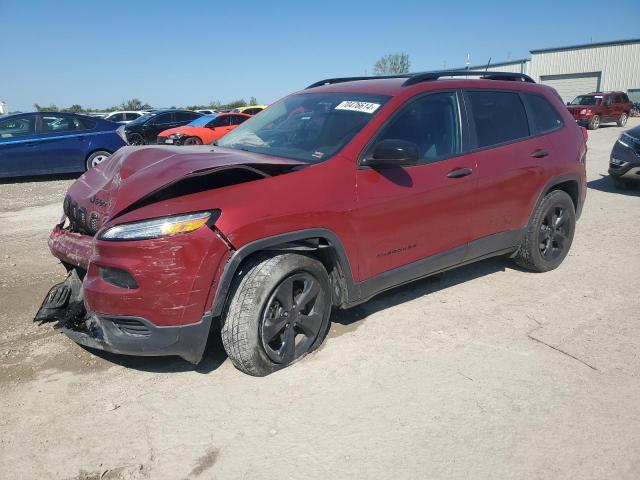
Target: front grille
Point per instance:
(80, 221)
(131, 326)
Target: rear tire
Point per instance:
(192, 141)
(594, 123)
(549, 234)
(96, 158)
(622, 121)
(279, 311)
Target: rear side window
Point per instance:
(499, 117)
(545, 118)
(52, 123)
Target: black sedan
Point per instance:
(624, 162)
(145, 130)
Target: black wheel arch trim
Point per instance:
(554, 182)
(283, 242)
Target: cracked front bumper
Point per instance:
(138, 336)
(166, 312)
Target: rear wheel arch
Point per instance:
(571, 187)
(321, 244)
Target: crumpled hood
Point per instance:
(133, 173)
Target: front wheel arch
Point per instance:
(321, 243)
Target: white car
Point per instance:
(124, 116)
(207, 112)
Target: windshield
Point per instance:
(309, 126)
(202, 121)
(586, 100)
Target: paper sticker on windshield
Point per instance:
(354, 106)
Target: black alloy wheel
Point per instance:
(554, 232)
(293, 318)
(136, 139)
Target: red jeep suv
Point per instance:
(334, 194)
(596, 108)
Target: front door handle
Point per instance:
(459, 172)
(540, 153)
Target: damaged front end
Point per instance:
(152, 294)
(64, 304)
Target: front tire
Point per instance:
(279, 312)
(594, 123)
(192, 141)
(622, 121)
(549, 234)
(96, 158)
(136, 139)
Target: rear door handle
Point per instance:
(459, 172)
(540, 153)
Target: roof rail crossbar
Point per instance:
(413, 78)
(428, 76)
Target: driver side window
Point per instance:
(431, 123)
(161, 119)
(219, 122)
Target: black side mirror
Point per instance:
(568, 103)
(393, 153)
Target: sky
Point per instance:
(170, 53)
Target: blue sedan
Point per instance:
(54, 142)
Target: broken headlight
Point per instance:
(160, 227)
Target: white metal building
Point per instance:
(582, 68)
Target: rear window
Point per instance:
(545, 117)
(499, 117)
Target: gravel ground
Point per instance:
(483, 372)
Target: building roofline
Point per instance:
(499, 64)
(586, 45)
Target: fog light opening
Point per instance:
(117, 277)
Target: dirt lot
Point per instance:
(483, 372)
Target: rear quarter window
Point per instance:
(544, 117)
(498, 117)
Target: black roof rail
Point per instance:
(413, 78)
(485, 75)
(331, 81)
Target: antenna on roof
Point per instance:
(488, 63)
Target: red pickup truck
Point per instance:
(595, 108)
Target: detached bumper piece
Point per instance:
(119, 334)
(64, 303)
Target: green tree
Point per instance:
(253, 101)
(46, 108)
(133, 104)
(392, 64)
(75, 109)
